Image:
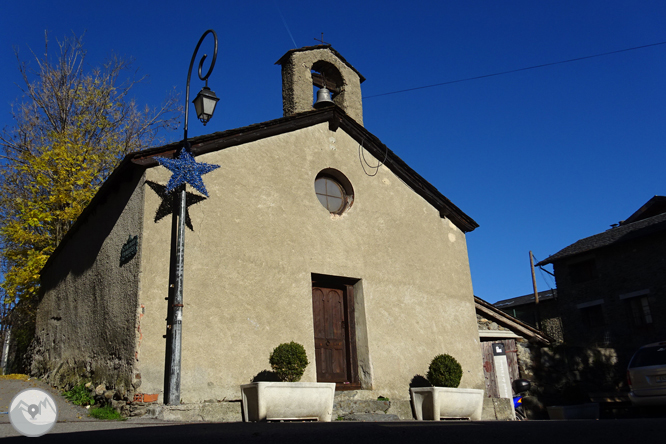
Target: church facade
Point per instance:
(314, 231)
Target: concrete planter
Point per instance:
(433, 403)
(580, 411)
(270, 401)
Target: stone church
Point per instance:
(299, 240)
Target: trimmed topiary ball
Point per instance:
(288, 361)
(444, 371)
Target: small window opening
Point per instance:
(583, 271)
(334, 191)
(325, 74)
(330, 194)
(639, 308)
(593, 317)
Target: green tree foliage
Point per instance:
(288, 361)
(444, 371)
(71, 129)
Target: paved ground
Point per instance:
(71, 418)
(66, 410)
(74, 426)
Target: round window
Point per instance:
(333, 191)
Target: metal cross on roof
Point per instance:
(322, 40)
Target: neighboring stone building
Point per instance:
(518, 337)
(522, 344)
(296, 237)
(611, 287)
(525, 308)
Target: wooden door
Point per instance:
(512, 359)
(328, 305)
(492, 391)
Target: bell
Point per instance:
(323, 98)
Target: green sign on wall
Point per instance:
(129, 249)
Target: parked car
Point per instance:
(646, 375)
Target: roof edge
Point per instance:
(617, 235)
(518, 324)
(335, 117)
(316, 47)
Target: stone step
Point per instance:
(348, 406)
(354, 406)
(370, 417)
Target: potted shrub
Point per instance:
(287, 399)
(445, 399)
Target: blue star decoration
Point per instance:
(185, 169)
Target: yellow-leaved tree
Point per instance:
(71, 128)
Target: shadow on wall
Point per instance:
(92, 228)
(166, 203)
(20, 327)
(266, 376)
(86, 322)
(565, 375)
(419, 381)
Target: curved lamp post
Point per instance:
(185, 169)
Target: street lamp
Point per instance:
(204, 104)
(185, 170)
(205, 101)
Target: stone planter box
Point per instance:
(433, 403)
(580, 411)
(274, 401)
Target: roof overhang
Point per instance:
(334, 116)
(518, 327)
(336, 119)
(316, 47)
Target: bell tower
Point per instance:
(321, 66)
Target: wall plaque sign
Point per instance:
(129, 249)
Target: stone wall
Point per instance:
(560, 373)
(87, 319)
(549, 316)
(568, 375)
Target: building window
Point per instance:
(334, 191)
(330, 194)
(639, 309)
(583, 271)
(593, 316)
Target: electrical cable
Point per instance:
(361, 158)
(543, 273)
(548, 284)
(516, 70)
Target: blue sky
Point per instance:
(539, 158)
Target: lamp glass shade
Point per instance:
(204, 104)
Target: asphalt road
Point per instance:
(540, 432)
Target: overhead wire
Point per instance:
(543, 65)
(543, 273)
